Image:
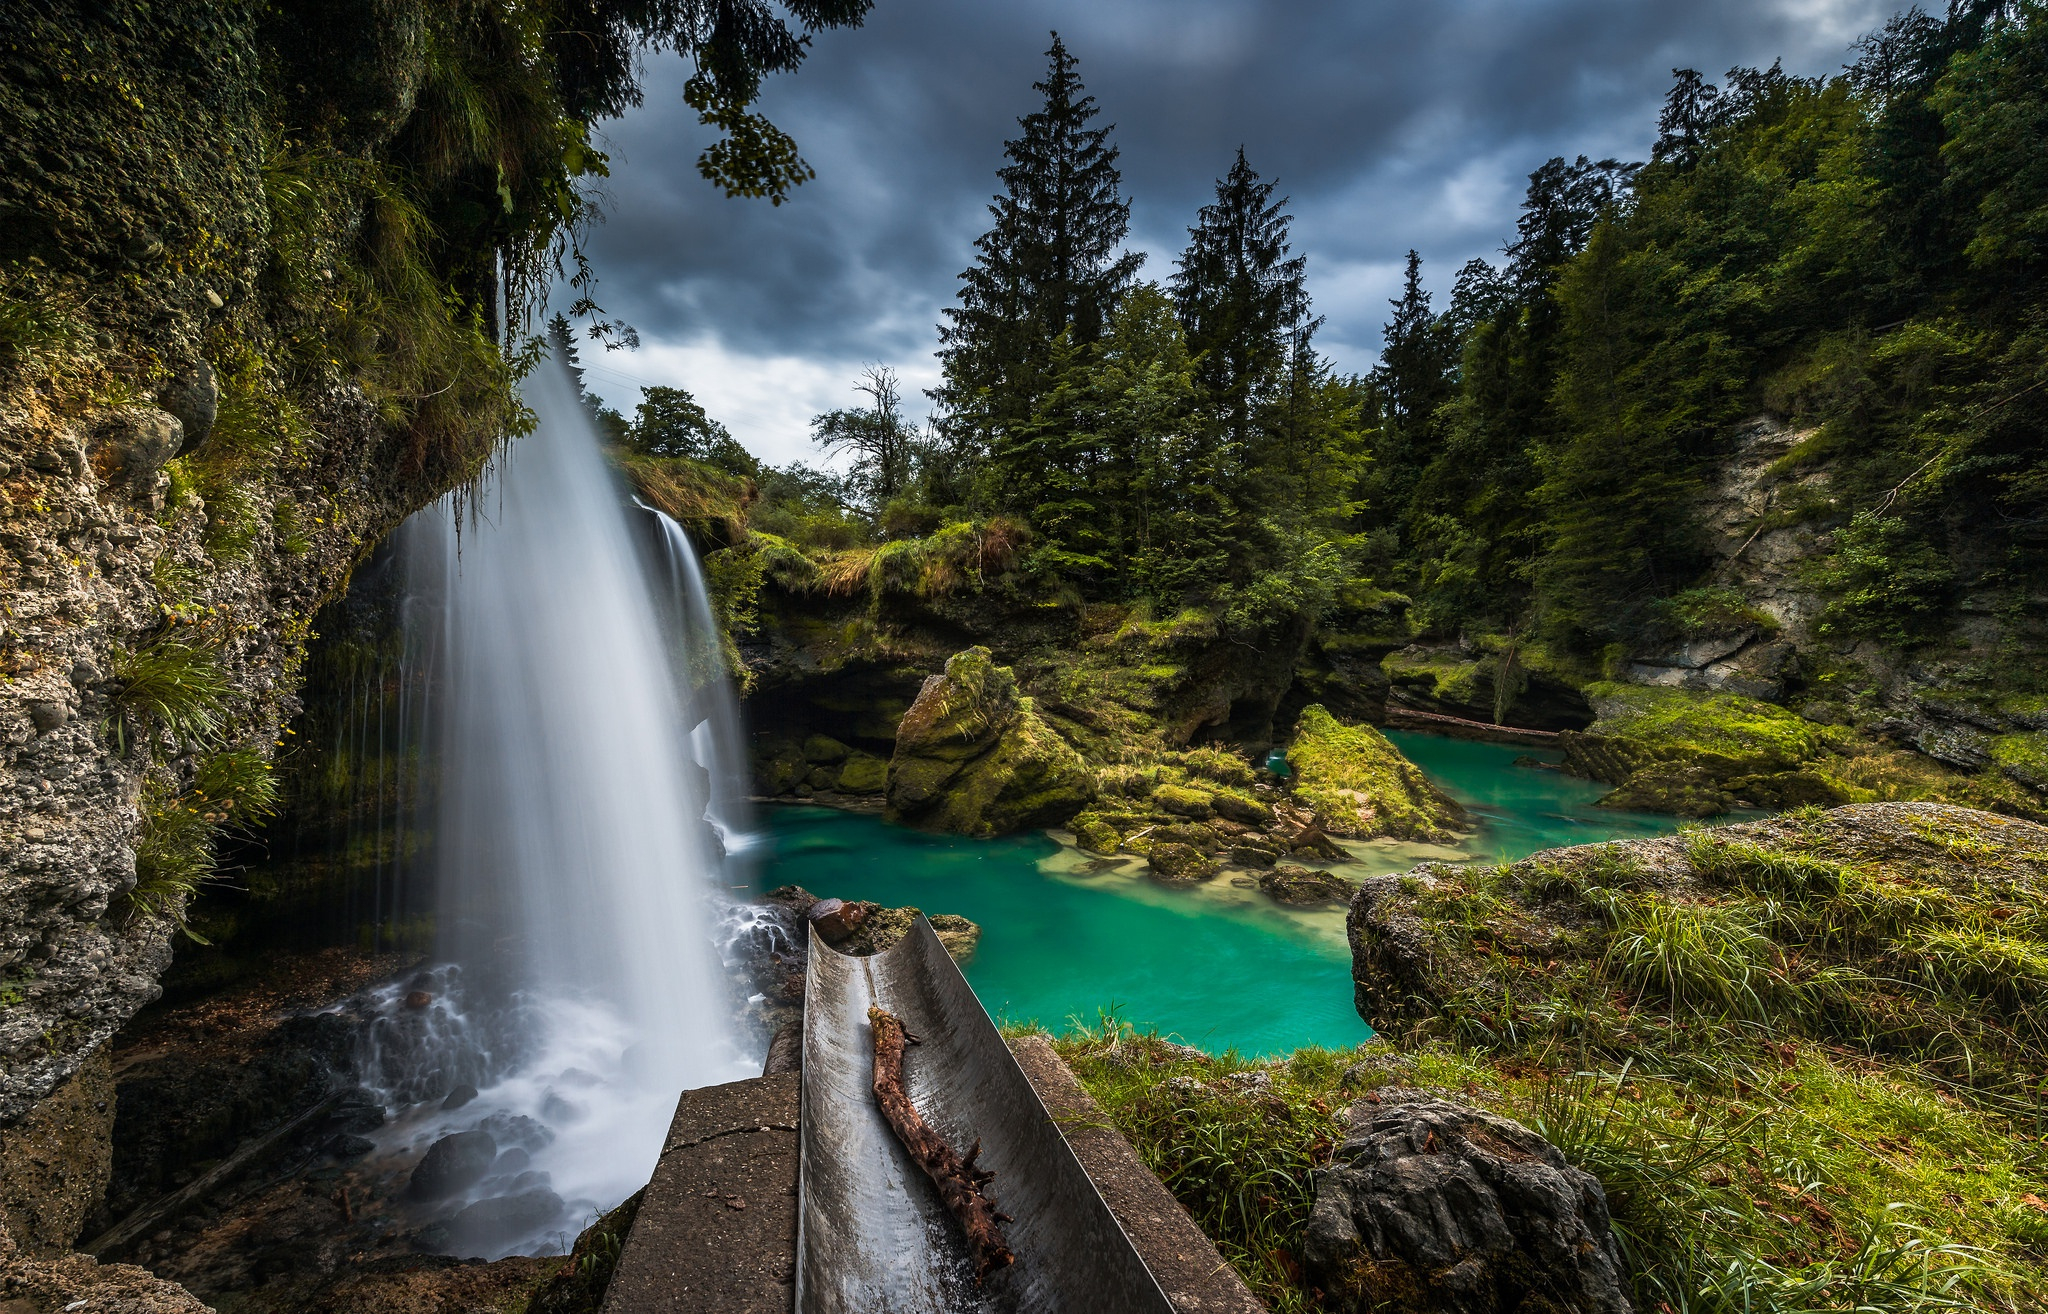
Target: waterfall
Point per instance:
(586, 802)
(717, 741)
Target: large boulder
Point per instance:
(1361, 787)
(974, 757)
(1436, 1208)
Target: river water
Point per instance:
(1066, 936)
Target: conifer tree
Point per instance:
(1240, 295)
(1416, 369)
(1048, 268)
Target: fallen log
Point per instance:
(958, 1180)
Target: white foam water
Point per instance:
(589, 794)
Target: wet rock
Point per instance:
(496, 1223)
(350, 1147)
(1253, 855)
(1432, 1206)
(194, 398)
(518, 1129)
(835, 919)
(460, 1096)
(1291, 884)
(453, 1164)
(356, 1111)
(1179, 864)
(785, 1050)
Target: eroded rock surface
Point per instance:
(1436, 1208)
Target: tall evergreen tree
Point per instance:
(1049, 268)
(1240, 295)
(1417, 369)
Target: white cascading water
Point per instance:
(588, 797)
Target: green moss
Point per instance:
(1359, 784)
(1183, 801)
(864, 773)
(1744, 731)
(2024, 757)
(1445, 679)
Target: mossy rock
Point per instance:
(824, 749)
(1680, 788)
(1196, 836)
(779, 771)
(1253, 855)
(1097, 836)
(975, 758)
(1241, 808)
(1360, 786)
(864, 773)
(1182, 801)
(1179, 864)
(1222, 767)
(1697, 754)
(2023, 758)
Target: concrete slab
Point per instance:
(716, 1233)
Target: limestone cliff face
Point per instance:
(187, 469)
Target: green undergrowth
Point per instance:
(1796, 1179)
(1804, 1057)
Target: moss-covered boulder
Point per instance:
(974, 757)
(1359, 785)
(1182, 801)
(1178, 864)
(863, 773)
(1096, 835)
(1699, 754)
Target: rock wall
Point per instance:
(183, 479)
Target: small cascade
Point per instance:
(716, 739)
(585, 740)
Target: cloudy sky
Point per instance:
(1390, 125)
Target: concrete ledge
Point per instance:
(717, 1230)
(1193, 1276)
(716, 1233)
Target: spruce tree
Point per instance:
(1417, 362)
(1241, 297)
(1048, 270)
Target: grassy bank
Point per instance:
(1804, 1057)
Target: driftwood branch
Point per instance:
(958, 1180)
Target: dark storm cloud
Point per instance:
(1390, 125)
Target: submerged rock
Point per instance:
(453, 1164)
(1290, 884)
(973, 756)
(1432, 1206)
(1360, 786)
